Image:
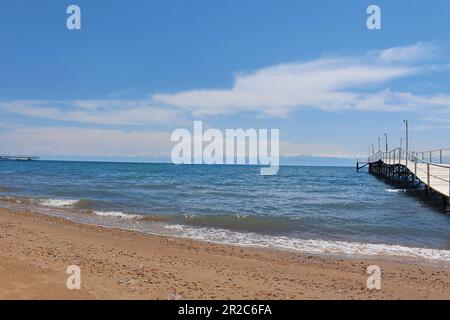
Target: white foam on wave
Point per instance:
(58, 203)
(309, 246)
(117, 214)
(174, 227)
(395, 190)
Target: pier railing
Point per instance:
(434, 175)
(440, 156)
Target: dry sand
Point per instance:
(35, 251)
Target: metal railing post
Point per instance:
(440, 155)
(406, 159)
(428, 174)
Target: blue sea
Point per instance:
(318, 210)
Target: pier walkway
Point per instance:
(430, 169)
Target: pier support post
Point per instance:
(445, 202)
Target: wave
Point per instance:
(308, 246)
(199, 228)
(395, 190)
(117, 214)
(80, 204)
(17, 200)
(58, 203)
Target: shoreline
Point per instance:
(36, 249)
(157, 226)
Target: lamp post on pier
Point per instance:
(407, 133)
(386, 140)
(406, 136)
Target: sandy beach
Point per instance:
(36, 249)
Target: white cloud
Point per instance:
(387, 100)
(279, 89)
(109, 112)
(325, 83)
(419, 51)
(339, 83)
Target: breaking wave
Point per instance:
(315, 246)
(58, 203)
(117, 214)
(395, 190)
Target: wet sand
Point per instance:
(35, 251)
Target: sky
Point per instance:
(137, 70)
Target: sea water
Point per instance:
(331, 210)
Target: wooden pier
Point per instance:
(18, 158)
(413, 169)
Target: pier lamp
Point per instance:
(406, 134)
(406, 129)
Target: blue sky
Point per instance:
(139, 69)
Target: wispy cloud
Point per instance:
(356, 83)
(338, 83)
(416, 52)
(325, 83)
(109, 112)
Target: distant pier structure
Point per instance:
(428, 169)
(18, 157)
